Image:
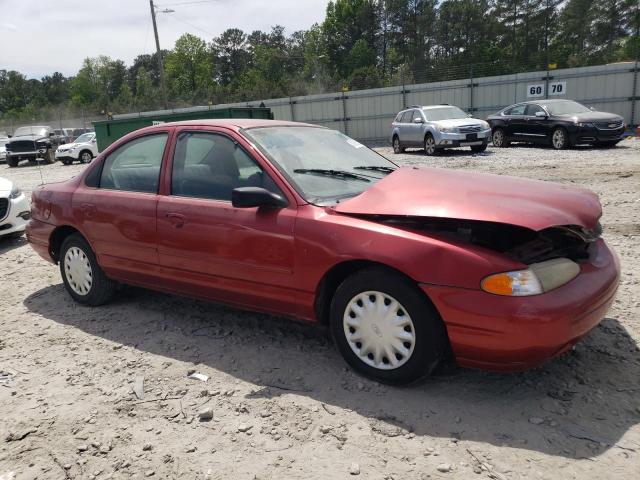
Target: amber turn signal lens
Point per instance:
(517, 284)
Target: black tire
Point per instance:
(49, 156)
(12, 162)
(85, 156)
(67, 161)
(101, 289)
(431, 340)
(397, 146)
(499, 138)
(479, 148)
(430, 147)
(559, 139)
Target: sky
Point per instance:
(39, 37)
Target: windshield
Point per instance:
(443, 113)
(87, 137)
(566, 108)
(40, 131)
(323, 165)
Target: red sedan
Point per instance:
(405, 265)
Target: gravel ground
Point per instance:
(281, 401)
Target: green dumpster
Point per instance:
(108, 131)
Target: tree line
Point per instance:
(360, 44)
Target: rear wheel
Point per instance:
(397, 147)
(386, 328)
(559, 139)
(499, 138)
(82, 276)
(430, 145)
(479, 148)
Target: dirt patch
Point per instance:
(280, 403)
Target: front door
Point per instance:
(536, 126)
(211, 249)
(118, 213)
(516, 123)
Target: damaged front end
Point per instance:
(519, 243)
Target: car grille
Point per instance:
(4, 207)
(22, 146)
(612, 125)
(469, 128)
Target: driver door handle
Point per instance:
(176, 219)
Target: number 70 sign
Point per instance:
(555, 88)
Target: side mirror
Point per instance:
(52, 134)
(541, 115)
(250, 197)
(418, 120)
(593, 109)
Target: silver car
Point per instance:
(437, 127)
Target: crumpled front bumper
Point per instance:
(516, 333)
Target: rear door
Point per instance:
(118, 212)
(515, 122)
(209, 248)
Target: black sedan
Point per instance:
(559, 123)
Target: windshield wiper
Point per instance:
(332, 173)
(375, 168)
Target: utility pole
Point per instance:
(163, 85)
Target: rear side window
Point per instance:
(135, 166)
(533, 109)
(517, 110)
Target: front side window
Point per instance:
(135, 166)
(324, 166)
(406, 117)
(416, 115)
(210, 166)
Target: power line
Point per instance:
(192, 25)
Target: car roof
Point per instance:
(236, 123)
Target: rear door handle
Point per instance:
(176, 219)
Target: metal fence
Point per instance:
(367, 114)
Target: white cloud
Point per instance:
(58, 35)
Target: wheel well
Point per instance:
(57, 237)
(85, 150)
(332, 280)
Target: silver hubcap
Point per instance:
(558, 138)
(497, 138)
(379, 330)
(78, 270)
(396, 145)
(429, 145)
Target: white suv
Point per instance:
(83, 149)
(437, 127)
(14, 209)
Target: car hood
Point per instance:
(455, 194)
(594, 117)
(27, 137)
(68, 146)
(457, 122)
(5, 187)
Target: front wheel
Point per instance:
(430, 145)
(386, 328)
(479, 148)
(82, 276)
(559, 139)
(12, 162)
